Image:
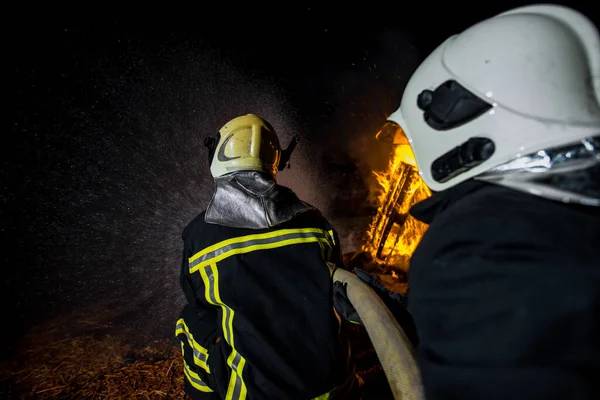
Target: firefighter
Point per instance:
(259, 322)
(504, 123)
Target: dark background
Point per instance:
(103, 163)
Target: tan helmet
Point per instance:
(246, 143)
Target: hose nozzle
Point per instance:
(284, 162)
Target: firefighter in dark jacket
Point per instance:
(504, 122)
(259, 322)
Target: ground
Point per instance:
(105, 368)
(99, 365)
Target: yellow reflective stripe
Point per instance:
(249, 243)
(208, 277)
(326, 252)
(193, 378)
(200, 353)
(331, 266)
(251, 248)
(237, 388)
(330, 254)
(257, 236)
(206, 260)
(325, 396)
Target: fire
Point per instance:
(394, 234)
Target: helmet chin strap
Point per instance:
(211, 144)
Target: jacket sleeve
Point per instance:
(196, 330)
(190, 287)
(185, 280)
(341, 303)
(502, 313)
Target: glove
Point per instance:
(342, 304)
(379, 287)
(397, 303)
(370, 279)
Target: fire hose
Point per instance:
(395, 352)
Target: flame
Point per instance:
(394, 234)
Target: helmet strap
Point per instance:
(211, 143)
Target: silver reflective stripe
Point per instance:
(237, 390)
(211, 286)
(196, 381)
(257, 242)
(197, 354)
(236, 361)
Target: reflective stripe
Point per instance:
(331, 267)
(330, 248)
(193, 377)
(325, 396)
(237, 388)
(200, 353)
(206, 260)
(263, 241)
(326, 251)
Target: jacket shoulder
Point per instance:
(194, 225)
(311, 218)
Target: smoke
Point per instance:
(107, 179)
(375, 90)
(358, 103)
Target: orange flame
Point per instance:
(394, 234)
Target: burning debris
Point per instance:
(394, 233)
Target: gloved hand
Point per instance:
(369, 279)
(379, 287)
(345, 308)
(397, 303)
(342, 304)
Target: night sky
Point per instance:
(103, 164)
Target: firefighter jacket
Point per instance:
(259, 321)
(504, 292)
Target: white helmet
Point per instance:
(508, 87)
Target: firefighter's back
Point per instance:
(272, 292)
